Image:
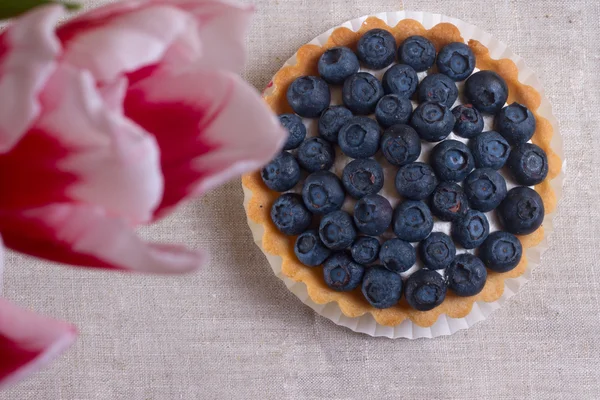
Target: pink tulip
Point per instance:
(109, 121)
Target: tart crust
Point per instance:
(353, 304)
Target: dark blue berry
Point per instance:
(361, 92)
(437, 251)
(316, 154)
(487, 91)
(452, 161)
(337, 64)
(359, 138)
(471, 230)
(401, 80)
(432, 121)
(522, 211)
(365, 250)
(381, 288)
(322, 192)
(456, 60)
(282, 173)
(310, 250)
(397, 255)
(362, 177)
(449, 201)
(418, 52)
(393, 110)
(289, 214)
(501, 251)
(337, 230)
(341, 273)
(308, 96)
(469, 122)
(400, 145)
(295, 128)
(373, 214)
(516, 123)
(425, 290)
(490, 150)
(466, 275)
(415, 181)
(528, 164)
(485, 189)
(376, 49)
(332, 120)
(412, 221)
(438, 88)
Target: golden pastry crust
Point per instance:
(353, 303)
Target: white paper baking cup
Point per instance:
(481, 310)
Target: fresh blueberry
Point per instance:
(466, 275)
(449, 201)
(412, 221)
(341, 273)
(400, 145)
(418, 52)
(359, 138)
(381, 288)
(425, 290)
(522, 211)
(456, 60)
(471, 230)
(438, 88)
(295, 128)
(362, 177)
(282, 173)
(501, 251)
(361, 92)
(376, 49)
(337, 230)
(337, 64)
(432, 121)
(469, 122)
(485, 189)
(308, 96)
(393, 110)
(528, 164)
(490, 150)
(401, 80)
(310, 250)
(437, 251)
(516, 123)
(322, 192)
(373, 214)
(365, 250)
(415, 181)
(452, 160)
(316, 154)
(289, 214)
(487, 91)
(332, 120)
(397, 255)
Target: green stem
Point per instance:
(14, 8)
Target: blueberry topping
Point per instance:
(438, 88)
(415, 181)
(418, 52)
(289, 214)
(376, 49)
(282, 173)
(337, 230)
(361, 92)
(432, 121)
(316, 154)
(359, 138)
(471, 230)
(437, 251)
(373, 214)
(452, 161)
(487, 91)
(310, 250)
(341, 273)
(412, 221)
(332, 120)
(516, 123)
(490, 150)
(466, 275)
(469, 122)
(449, 201)
(485, 189)
(425, 290)
(501, 251)
(393, 110)
(322, 192)
(456, 60)
(362, 177)
(397, 255)
(337, 64)
(528, 164)
(381, 288)
(308, 96)
(365, 250)
(295, 128)
(522, 211)
(401, 80)
(400, 145)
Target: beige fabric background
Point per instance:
(233, 331)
